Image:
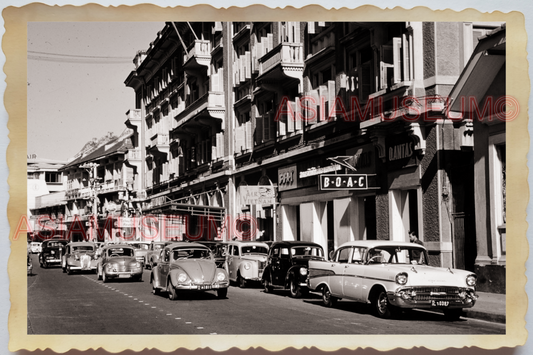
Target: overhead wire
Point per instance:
(72, 58)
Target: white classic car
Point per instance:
(245, 261)
(391, 275)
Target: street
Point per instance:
(81, 304)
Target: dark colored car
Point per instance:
(218, 251)
(287, 266)
(51, 252)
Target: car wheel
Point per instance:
(45, 265)
(172, 294)
(453, 314)
(139, 278)
(155, 290)
(69, 271)
(241, 281)
(295, 288)
(105, 279)
(267, 286)
(327, 298)
(222, 292)
(381, 305)
(99, 273)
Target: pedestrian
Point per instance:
(414, 238)
(416, 256)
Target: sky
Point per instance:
(76, 74)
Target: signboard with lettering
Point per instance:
(343, 182)
(257, 195)
(287, 178)
(401, 153)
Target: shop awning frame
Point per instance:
(175, 208)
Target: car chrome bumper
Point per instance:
(206, 287)
(402, 299)
(52, 260)
(124, 274)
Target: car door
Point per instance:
(352, 283)
(338, 267)
(233, 261)
(281, 265)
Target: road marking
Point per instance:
(135, 299)
(169, 314)
(177, 318)
(152, 306)
(199, 327)
(213, 333)
(188, 322)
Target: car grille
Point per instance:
(261, 265)
(436, 293)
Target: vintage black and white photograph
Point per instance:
(266, 177)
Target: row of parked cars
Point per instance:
(387, 275)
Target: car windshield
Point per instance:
(397, 255)
(254, 249)
(158, 246)
(142, 246)
(114, 252)
(191, 253)
(83, 248)
(304, 251)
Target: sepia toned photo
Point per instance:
(237, 183)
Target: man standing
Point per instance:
(414, 239)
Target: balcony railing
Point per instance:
(286, 54)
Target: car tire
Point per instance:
(327, 299)
(139, 278)
(172, 294)
(222, 292)
(453, 314)
(294, 288)
(381, 306)
(69, 271)
(105, 279)
(155, 290)
(99, 273)
(267, 286)
(241, 281)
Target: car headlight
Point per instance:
(246, 266)
(401, 278)
(136, 264)
(471, 280)
(303, 271)
(221, 276)
(182, 277)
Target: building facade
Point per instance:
(246, 128)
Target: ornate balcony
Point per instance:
(198, 56)
(285, 60)
(159, 142)
(207, 110)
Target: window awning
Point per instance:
(175, 208)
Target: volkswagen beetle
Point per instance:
(185, 266)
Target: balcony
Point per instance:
(133, 119)
(284, 61)
(159, 142)
(111, 186)
(78, 194)
(207, 110)
(133, 155)
(198, 56)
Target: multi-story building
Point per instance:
(482, 83)
(247, 123)
(45, 193)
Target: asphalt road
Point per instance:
(80, 304)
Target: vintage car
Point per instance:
(218, 249)
(152, 255)
(246, 261)
(186, 266)
(118, 261)
(51, 252)
(141, 249)
(79, 256)
(390, 276)
(287, 266)
(35, 247)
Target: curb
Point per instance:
(491, 317)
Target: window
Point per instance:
(343, 255)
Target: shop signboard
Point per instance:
(287, 178)
(343, 182)
(257, 195)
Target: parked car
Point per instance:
(29, 262)
(35, 247)
(287, 266)
(79, 256)
(186, 266)
(141, 250)
(218, 249)
(51, 252)
(152, 255)
(246, 261)
(390, 276)
(118, 261)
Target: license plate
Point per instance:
(440, 303)
(205, 287)
(124, 276)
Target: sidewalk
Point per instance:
(489, 307)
